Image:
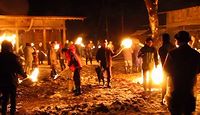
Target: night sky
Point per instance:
(133, 12)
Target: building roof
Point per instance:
(10, 22)
(41, 17)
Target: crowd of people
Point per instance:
(180, 61)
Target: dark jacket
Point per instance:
(88, 51)
(183, 64)
(149, 57)
(163, 50)
(105, 56)
(41, 55)
(9, 68)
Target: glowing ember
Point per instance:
(126, 43)
(34, 75)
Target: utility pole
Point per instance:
(107, 32)
(122, 20)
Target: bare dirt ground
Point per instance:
(54, 97)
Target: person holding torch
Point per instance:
(104, 56)
(128, 54)
(149, 56)
(75, 65)
(10, 68)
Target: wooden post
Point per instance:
(64, 35)
(44, 39)
(17, 40)
(64, 32)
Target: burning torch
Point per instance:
(33, 76)
(126, 43)
(79, 41)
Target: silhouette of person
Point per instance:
(75, 65)
(149, 56)
(163, 50)
(104, 56)
(182, 65)
(10, 68)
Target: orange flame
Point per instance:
(34, 75)
(157, 76)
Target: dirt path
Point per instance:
(49, 96)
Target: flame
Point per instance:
(20, 81)
(10, 38)
(34, 75)
(126, 43)
(56, 46)
(157, 76)
(32, 44)
(79, 41)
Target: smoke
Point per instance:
(14, 7)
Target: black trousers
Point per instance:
(182, 103)
(62, 64)
(88, 58)
(77, 80)
(8, 93)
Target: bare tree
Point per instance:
(152, 8)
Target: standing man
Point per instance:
(41, 55)
(28, 55)
(74, 63)
(10, 67)
(104, 56)
(128, 54)
(163, 50)
(149, 56)
(48, 52)
(89, 52)
(182, 65)
(53, 60)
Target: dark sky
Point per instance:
(134, 14)
(97, 13)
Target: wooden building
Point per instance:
(35, 29)
(187, 19)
